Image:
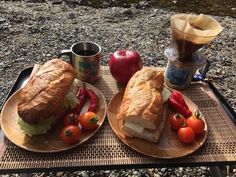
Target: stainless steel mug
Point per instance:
(85, 57)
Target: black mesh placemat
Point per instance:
(105, 150)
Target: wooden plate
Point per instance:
(49, 142)
(168, 147)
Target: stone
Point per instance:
(2, 20)
(156, 175)
(8, 52)
(84, 174)
(161, 62)
(55, 1)
(71, 15)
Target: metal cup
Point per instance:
(85, 57)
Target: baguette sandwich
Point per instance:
(142, 109)
(47, 96)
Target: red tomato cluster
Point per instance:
(188, 128)
(71, 132)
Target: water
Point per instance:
(210, 7)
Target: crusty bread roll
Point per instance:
(142, 109)
(45, 91)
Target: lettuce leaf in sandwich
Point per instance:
(35, 129)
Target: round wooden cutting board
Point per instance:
(168, 146)
(49, 142)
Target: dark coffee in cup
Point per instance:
(85, 52)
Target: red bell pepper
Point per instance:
(177, 102)
(93, 100)
(179, 97)
(82, 96)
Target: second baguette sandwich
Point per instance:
(142, 110)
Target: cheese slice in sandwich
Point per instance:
(142, 110)
(131, 130)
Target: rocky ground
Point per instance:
(35, 32)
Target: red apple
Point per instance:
(123, 64)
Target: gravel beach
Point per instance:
(35, 32)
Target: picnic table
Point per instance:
(106, 151)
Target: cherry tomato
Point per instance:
(71, 119)
(186, 134)
(88, 120)
(70, 134)
(177, 121)
(196, 123)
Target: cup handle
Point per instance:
(206, 69)
(202, 75)
(66, 52)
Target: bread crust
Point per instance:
(142, 101)
(45, 91)
(148, 134)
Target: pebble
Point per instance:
(35, 1)
(59, 173)
(8, 52)
(161, 62)
(84, 174)
(156, 175)
(135, 173)
(55, 1)
(107, 171)
(163, 170)
(71, 15)
(2, 20)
